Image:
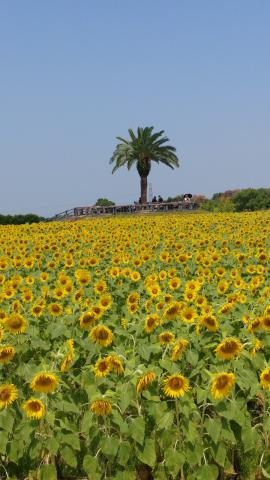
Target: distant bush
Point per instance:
(20, 219)
(252, 199)
(104, 202)
(218, 205)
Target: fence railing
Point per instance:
(94, 210)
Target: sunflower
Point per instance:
(144, 381)
(190, 295)
(210, 322)
(188, 315)
(27, 295)
(222, 384)
(87, 319)
(6, 354)
(133, 298)
(100, 287)
(37, 310)
(151, 323)
(101, 335)
(176, 386)
(222, 286)
(166, 337)
(15, 323)
(257, 346)
(116, 364)
(8, 393)
(34, 408)
(101, 407)
(135, 276)
(102, 367)
(133, 308)
(228, 348)
(105, 301)
(44, 382)
(179, 348)
(265, 322)
(55, 309)
(83, 277)
(69, 357)
(265, 379)
(154, 290)
(173, 310)
(255, 325)
(174, 283)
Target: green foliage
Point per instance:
(217, 205)
(104, 202)
(20, 219)
(252, 199)
(141, 150)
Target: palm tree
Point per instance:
(141, 150)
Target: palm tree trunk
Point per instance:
(143, 189)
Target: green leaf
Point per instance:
(69, 407)
(143, 351)
(220, 454)
(249, 438)
(87, 422)
(213, 427)
(72, 440)
(48, 472)
(192, 357)
(127, 394)
(109, 446)
(194, 453)
(148, 455)
(3, 442)
(124, 453)
(166, 421)
(265, 473)
(174, 461)
(6, 420)
(69, 456)
(90, 464)
(137, 429)
(52, 445)
(209, 472)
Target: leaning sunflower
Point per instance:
(176, 386)
(101, 407)
(229, 348)
(145, 381)
(8, 393)
(34, 408)
(222, 384)
(178, 349)
(101, 335)
(15, 323)
(102, 367)
(265, 379)
(44, 382)
(6, 354)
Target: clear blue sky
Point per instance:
(75, 74)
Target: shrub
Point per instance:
(252, 199)
(104, 202)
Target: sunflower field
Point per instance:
(136, 348)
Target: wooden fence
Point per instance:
(93, 210)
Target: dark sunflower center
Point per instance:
(222, 382)
(34, 406)
(5, 395)
(103, 335)
(175, 383)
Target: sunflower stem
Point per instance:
(179, 433)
